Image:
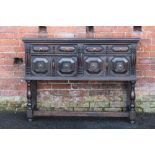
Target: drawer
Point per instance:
(94, 48)
(119, 65)
(66, 49)
(94, 65)
(120, 48)
(40, 48)
(65, 66)
(40, 65)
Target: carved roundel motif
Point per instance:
(40, 65)
(93, 65)
(120, 65)
(66, 65)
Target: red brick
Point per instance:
(43, 86)
(148, 28)
(6, 68)
(103, 35)
(139, 73)
(145, 44)
(19, 74)
(50, 35)
(21, 55)
(123, 29)
(9, 29)
(25, 35)
(6, 62)
(68, 29)
(152, 54)
(144, 80)
(7, 35)
(153, 67)
(28, 29)
(61, 86)
(146, 61)
(7, 49)
(118, 35)
(143, 54)
(9, 42)
(64, 35)
(149, 73)
(152, 48)
(21, 86)
(143, 66)
(90, 35)
(151, 34)
(9, 93)
(6, 74)
(99, 29)
(7, 55)
(137, 35)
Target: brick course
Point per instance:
(75, 95)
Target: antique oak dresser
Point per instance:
(80, 59)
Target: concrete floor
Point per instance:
(11, 120)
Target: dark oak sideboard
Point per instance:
(80, 59)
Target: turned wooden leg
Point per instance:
(34, 94)
(29, 102)
(127, 87)
(132, 102)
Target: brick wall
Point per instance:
(75, 95)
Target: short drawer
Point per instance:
(120, 48)
(94, 65)
(40, 48)
(40, 65)
(119, 65)
(66, 66)
(94, 48)
(66, 49)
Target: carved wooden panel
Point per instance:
(40, 65)
(66, 66)
(94, 65)
(119, 65)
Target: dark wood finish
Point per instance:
(29, 101)
(80, 59)
(132, 102)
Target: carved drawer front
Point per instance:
(120, 48)
(40, 48)
(66, 66)
(94, 65)
(40, 65)
(119, 65)
(66, 49)
(94, 48)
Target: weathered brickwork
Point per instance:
(75, 95)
